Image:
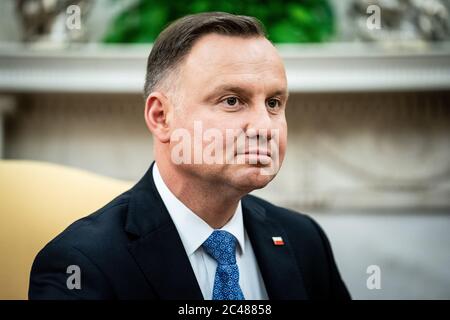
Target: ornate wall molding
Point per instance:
(332, 67)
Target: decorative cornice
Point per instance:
(343, 67)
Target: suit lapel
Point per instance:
(157, 247)
(278, 266)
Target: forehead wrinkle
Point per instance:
(261, 73)
(265, 62)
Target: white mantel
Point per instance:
(339, 67)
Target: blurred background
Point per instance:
(368, 116)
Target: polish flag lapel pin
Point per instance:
(278, 241)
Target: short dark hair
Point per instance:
(175, 41)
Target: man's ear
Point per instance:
(158, 115)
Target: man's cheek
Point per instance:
(282, 146)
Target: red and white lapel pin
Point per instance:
(278, 241)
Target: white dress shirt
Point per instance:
(194, 231)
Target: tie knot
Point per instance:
(221, 245)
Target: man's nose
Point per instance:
(259, 123)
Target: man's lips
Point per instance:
(262, 152)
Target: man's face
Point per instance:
(232, 90)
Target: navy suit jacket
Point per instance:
(130, 249)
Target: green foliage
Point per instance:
(285, 20)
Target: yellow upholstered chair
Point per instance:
(38, 201)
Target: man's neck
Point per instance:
(215, 204)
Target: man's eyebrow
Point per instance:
(230, 88)
(243, 91)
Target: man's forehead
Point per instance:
(218, 59)
(252, 81)
(214, 50)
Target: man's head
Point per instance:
(216, 93)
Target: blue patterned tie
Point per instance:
(221, 245)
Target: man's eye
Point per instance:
(231, 101)
(273, 103)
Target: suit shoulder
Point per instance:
(98, 228)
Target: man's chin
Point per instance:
(251, 177)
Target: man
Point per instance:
(188, 229)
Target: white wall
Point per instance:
(411, 249)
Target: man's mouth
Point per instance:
(262, 152)
(255, 153)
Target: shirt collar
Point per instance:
(192, 229)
